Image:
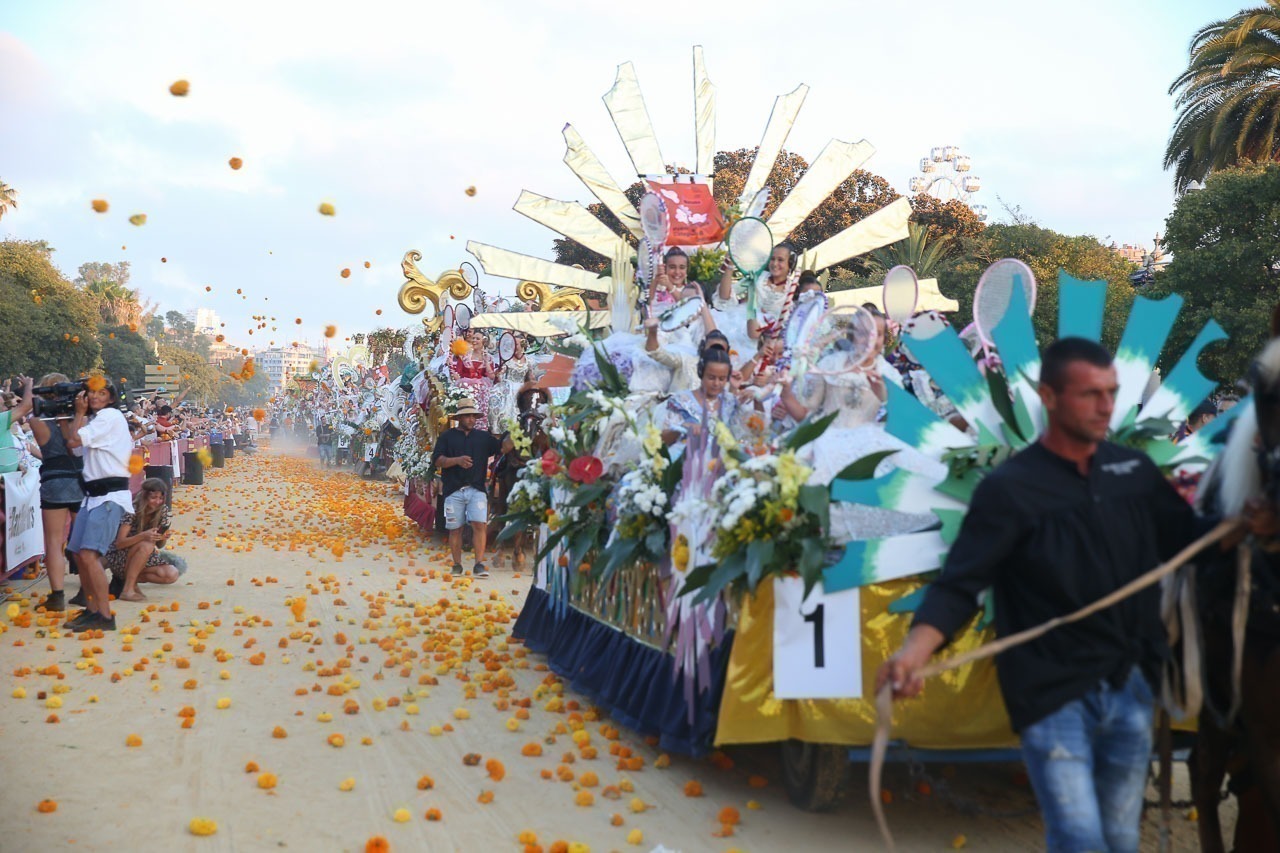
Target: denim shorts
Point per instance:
(96, 529)
(466, 504)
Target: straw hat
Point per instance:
(466, 406)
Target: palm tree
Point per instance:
(920, 251)
(8, 198)
(1228, 97)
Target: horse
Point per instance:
(507, 471)
(1245, 739)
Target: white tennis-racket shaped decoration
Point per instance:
(801, 330)
(462, 317)
(506, 347)
(655, 223)
(750, 244)
(469, 273)
(680, 315)
(900, 294)
(992, 297)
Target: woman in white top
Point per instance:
(101, 432)
(771, 292)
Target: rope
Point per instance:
(884, 697)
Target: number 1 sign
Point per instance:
(817, 642)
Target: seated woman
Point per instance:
(773, 291)
(712, 400)
(514, 377)
(855, 393)
(135, 556)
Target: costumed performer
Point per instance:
(473, 371)
(712, 400)
(774, 292)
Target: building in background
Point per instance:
(221, 352)
(280, 364)
(206, 321)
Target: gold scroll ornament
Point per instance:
(547, 298)
(418, 290)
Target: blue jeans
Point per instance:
(1088, 763)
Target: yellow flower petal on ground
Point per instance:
(635, 836)
(347, 784)
(401, 816)
(223, 703)
(202, 826)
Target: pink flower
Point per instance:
(585, 470)
(550, 463)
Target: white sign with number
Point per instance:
(817, 642)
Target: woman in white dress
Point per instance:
(512, 377)
(772, 289)
(856, 392)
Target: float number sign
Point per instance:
(817, 643)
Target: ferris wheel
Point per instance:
(946, 174)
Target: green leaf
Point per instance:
(729, 569)
(808, 431)
(759, 557)
(584, 495)
(999, 387)
(816, 500)
(657, 543)
(552, 541)
(864, 468)
(672, 475)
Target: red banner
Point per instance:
(692, 212)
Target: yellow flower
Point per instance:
(680, 554)
(202, 826)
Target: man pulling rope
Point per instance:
(1067, 526)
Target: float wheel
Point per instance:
(814, 774)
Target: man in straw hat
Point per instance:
(463, 454)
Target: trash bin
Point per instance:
(228, 448)
(161, 472)
(192, 468)
(219, 457)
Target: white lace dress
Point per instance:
(506, 388)
(731, 315)
(853, 435)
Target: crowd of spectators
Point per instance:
(99, 523)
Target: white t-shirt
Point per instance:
(107, 448)
(251, 425)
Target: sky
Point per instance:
(390, 111)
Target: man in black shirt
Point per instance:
(1059, 525)
(463, 455)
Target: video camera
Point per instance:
(57, 400)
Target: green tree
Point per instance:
(8, 199)
(197, 374)
(125, 355)
(252, 392)
(181, 332)
(923, 251)
(953, 219)
(1045, 252)
(1225, 241)
(108, 284)
(47, 324)
(1228, 98)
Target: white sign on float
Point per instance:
(24, 526)
(817, 644)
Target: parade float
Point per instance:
(722, 590)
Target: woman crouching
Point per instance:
(135, 557)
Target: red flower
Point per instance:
(550, 463)
(585, 470)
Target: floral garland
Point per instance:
(639, 504)
(769, 520)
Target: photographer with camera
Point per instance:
(60, 492)
(100, 430)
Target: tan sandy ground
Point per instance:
(112, 797)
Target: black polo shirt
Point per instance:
(1049, 541)
(478, 444)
